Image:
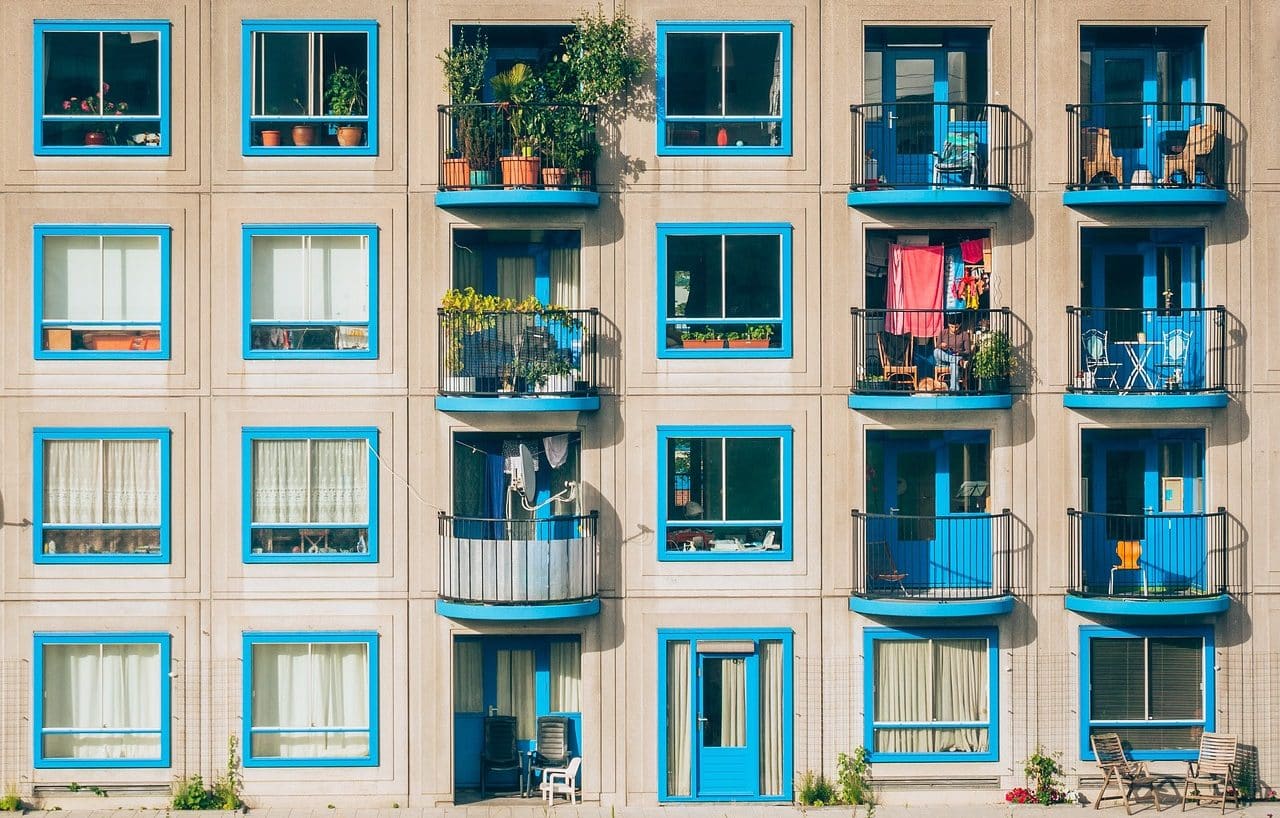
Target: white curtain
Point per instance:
(102, 278)
(733, 702)
(468, 683)
(516, 277)
(95, 482)
(903, 691)
(960, 693)
(772, 684)
(679, 726)
(309, 278)
(308, 686)
(516, 690)
(565, 275)
(566, 677)
(468, 269)
(922, 680)
(102, 687)
(310, 481)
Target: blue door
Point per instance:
(1140, 128)
(728, 728)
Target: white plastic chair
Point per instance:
(561, 781)
(1096, 359)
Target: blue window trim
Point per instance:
(251, 231)
(780, 27)
(783, 433)
(42, 231)
(366, 27)
(251, 638)
(692, 636)
(783, 231)
(99, 638)
(38, 525)
(249, 434)
(871, 635)
(1090, 632)
(117, 25)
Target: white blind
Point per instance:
(102, 278)
(310, 278)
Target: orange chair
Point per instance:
(1096, 156)
(1128, 551)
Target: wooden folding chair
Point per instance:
(1213, 771)
(1128, 775)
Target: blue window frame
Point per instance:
(724, 714)
(101, 88)
(101, 700)
(101, 291)
(289, 68)
(310, 494)
(101, 495)
(725, 290)
(1152, 686)
(311, 699)
(724, 88)
(931, 695)
(724, 492)
(310, 291)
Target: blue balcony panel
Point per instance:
(1165, 606)
(520, 197)
(932, 608)
(935, 197)
(517, 613)
(1147, 196)
(518, 403)
(929, 402)
(1146, 400)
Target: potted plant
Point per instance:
(993, 362)
(707, 338)
(97, 105)
(514, 89)
(345, 97)
(756, 336)
(873, 383)
(304, 135)
(463, 77)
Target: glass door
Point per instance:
(728, 728)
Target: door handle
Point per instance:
(702, 720)
(1146, 119)
(892, 117)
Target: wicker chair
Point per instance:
(1201, 140)
(1096, 156)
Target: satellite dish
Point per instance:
(529, 486)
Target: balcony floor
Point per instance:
(927, 607)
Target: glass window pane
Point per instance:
(753, 479)
(278, 277)
(902, 680)
(131, 72)
(872, 77)
(131, 278)
(753, 79)
(96, 687)
(345, 49)
(1177, 678)
(694, 277)
(1117, 678)
(693, 74)
(338, 279)
(752, 276)
(280, 481)
(566, 677)
(724, 702)
(969, 479)
(72, 278)
(131, 482)
(70, 70)
(339, 482)
(281, 74)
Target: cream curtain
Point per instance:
(733, 702)
(772, 685)
(310, 481)
(566, 677)
(516, 690)
(960, 693)
(102, 687)
(309, 278)
(920, 681)
(516, 277)
(679, 725)
(565, 275)
(102, 482)
(468, 270)
(468, 682)
(309, 686)
(904, 689)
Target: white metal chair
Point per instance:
(1097, 361)
(1174, 351)
(561, 781)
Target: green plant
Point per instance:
(1043, 771)
(603, 55)
(190, 792)
(513, 89)
(853, 785)
(708, 334)
(759, 331)
(11, 801)
(345, 93)
(467, 312)
(814, 790)
(993, 357)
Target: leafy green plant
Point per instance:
(1043, 771)
(814, 790)
(345, 93)
(11, 801)
(464, 69)
(513, 89)
(853, 785)
(190, 792)
(993, 357)
(603, 54)
(759, 331)
(707, 334)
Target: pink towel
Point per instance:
(971, 251)
(915, 283)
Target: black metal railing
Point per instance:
(500, 145)
(552, 352)
(930, 145)
(903, 556)
(1150, 556)
(1147, 145)
(504, 561)
(917, 351)
(1146, 351)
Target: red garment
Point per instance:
(915, 283)
(971, 251)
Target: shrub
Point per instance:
(815, 790)
(852, 773)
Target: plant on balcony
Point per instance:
(345, 98)
(475, 146)
(707, 338)
(514, 90)
(993, 362)
(467, 312)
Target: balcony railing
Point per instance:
(900, 351)
(901, 556)
(915, 145)
(1146, 351)
(503, 561)
(1147, 145)
(1148, 556)
(497, 145)
(504, 353)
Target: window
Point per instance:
(725, 289)
(310, 87)
(931, 695)
(725, 492)
(102, 87)
(311, 699)
(103, 495)
(724, 88)
(310, 495)
(103, 700)
(101, 292)
(1153, 687)
(311, 291)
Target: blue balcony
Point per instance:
(932, 567)
(513, 570)
(913, 154)
(1148, 564)
(1130, 358)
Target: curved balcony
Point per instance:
(1147, 153)
(1121, 358)
(896, 364)
(932, 566)
(1148, 564)
(507, 155)
(516, 570)
(930, 153)
(510, 361)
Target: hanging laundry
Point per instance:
(955, 272)
(878, 252)
(971, 251)
(556, 448)
(915, 283)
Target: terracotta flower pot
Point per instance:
(703, 343)
(350, 136)
(748, 343)
(304, 135)
(457, 174)
(554, 177)
(520, 171)
(95, 138)
(270, 139)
